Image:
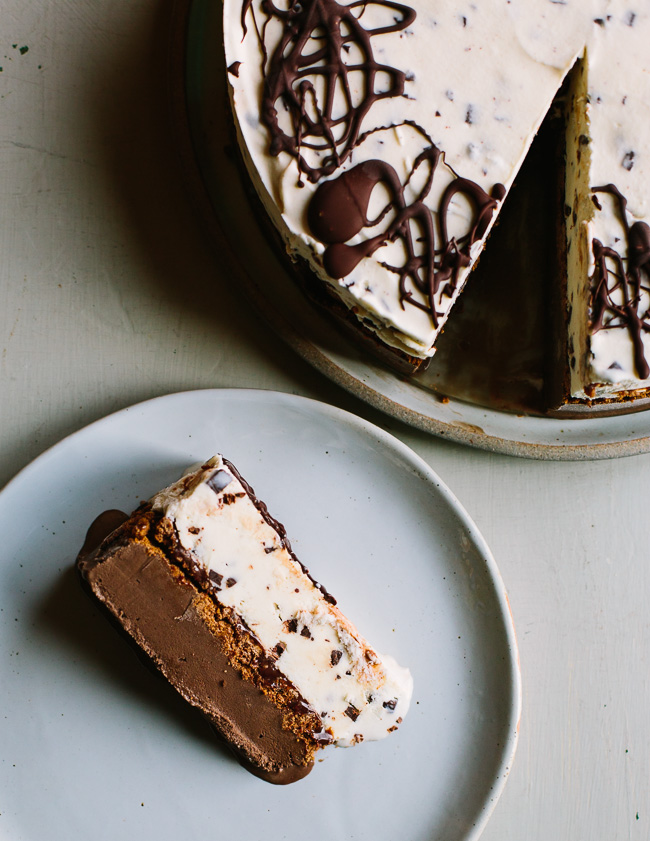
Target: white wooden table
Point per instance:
(104, 277)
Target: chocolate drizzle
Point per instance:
(305, 82)
(338, 212)
(626, 287)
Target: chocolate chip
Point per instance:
(194, 529)
(352, 712)
(228, 499)
(628, 160)
(305, 632)
(335, 657)
(234, 68)
(291, 626)
(269, 549)
(219, 480)
(216, 578)
(390, 705)
(231, 582)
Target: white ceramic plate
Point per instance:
(94, 746)
(204, 136)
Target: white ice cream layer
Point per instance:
(358, 693)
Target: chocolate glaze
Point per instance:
(157, 609)
(606, 282)
(338, 212)
(294, 68)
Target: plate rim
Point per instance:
(511, 722)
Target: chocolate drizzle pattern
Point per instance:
(338, 212)
(617, 293)
(312, 84)
(307, 78)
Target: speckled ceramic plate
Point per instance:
(459, 398)
(94, 746)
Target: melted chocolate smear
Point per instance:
(606, 283)
(308, 62)
(101, 527)
(338, 211)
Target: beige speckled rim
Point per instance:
(202, 136)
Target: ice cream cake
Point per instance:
(203, 580)
(383, 138)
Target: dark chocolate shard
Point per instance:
(310, 49)
(291, 625)
(219, 480)
(215, 578)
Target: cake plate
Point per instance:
(484, 385)
(95, 746)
